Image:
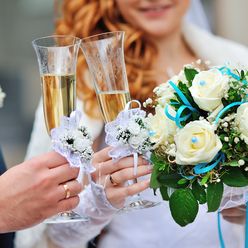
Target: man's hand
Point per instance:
(33, 191)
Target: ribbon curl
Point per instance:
(227, 71)
(178, 118)
(202, 168)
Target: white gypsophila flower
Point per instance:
(241, 121)
(147, 102)
(135, 135)
(208, 88)
(163, 129)
(2, 96)
(81, 144)
(197, 143)
(171, 150)
(133, 128)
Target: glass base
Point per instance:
(66, 217)
(139, 204)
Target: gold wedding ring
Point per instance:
(67, 191)
(112, 181)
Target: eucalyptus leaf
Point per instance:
(183, 206)
(214, 196)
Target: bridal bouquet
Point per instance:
(200, 128)
(2, 96)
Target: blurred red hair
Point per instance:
(84, 18)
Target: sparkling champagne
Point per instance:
(59, 96)
(112, 103)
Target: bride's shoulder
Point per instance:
(214, 47)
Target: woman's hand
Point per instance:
(34, 190)
(114, 175)
(234, 215)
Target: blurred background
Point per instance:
(21, 21)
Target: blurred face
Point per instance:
(157, 18)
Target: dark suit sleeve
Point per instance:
(2, 164)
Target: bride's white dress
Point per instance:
(150, 228)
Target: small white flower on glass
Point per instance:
(2, 96)
(133, 128)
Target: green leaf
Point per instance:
(164, 193)
(242, 74)
(158, 162)
(214, 196)
(182, 181)
(183, 206)
(235, 178)
(233, 163)
(170, 180)
(205, 179)
(154, 184)
(190, 74)
(199, 192)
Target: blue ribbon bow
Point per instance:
(178, 118)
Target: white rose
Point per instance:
(2, 96)
(208, 88)
(163, 128)
(242, 121)
(197, 143)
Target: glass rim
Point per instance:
(91, 38)
(34, 42)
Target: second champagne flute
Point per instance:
(104, 55)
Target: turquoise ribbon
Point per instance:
(206, 167)
(221, 239)
(226, 109)
(181, 172)
(202, 168)
(227, 71)
(246, 221)
(178, 118)
(222, 242)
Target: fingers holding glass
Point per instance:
(118, 195)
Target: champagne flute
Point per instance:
(57, 59)
(104, 55)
